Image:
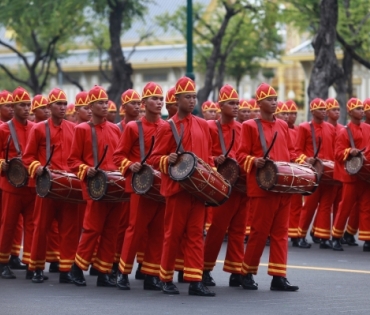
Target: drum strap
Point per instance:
(141, 140)
(350, 136)
(94, 143)
(119, 125)
(221, 137)
(14, 136)
(313, 137)
(47, 133)
(262, 135)
(175, 134)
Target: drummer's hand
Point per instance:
(4, 166)
(39, 170)
(354, 152)
(259, 162)
(220, 159)
(172, 158)
(135, 167)
(91, 171)
(310, 160)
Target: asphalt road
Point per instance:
(330, 283)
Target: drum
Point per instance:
(147, 182)
(199, 179)
(354, 164)
(59, 185)
(327, 176)
(231, 171)
(17, 174)
(107, 186)
(287, 177)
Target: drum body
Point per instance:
(327, 176)
(107, 186)
(287, 177)
(147, 182)
(59, 185)
(199, 179)
(230, 170)
(17, 174)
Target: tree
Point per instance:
(43, 28)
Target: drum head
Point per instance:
(319, 168)
(354, 164)
(184, 166)
(97, 185)
(267, 175)
(142, 181)
(229, 170)
(17, 174)
(43, 183)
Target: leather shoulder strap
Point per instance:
(350, 136)
(13, 133)
(119, 125)
(262, 135)
(221, 137)
(175, 134)
(94, 143)
(48, 139)
(313, 137)
(141, 139)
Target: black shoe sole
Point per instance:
(151, 288)
(196, 293)
(283, 289)
(9, 277)
(123, 288)
(37, 281)
(170, 292)
(79, 284)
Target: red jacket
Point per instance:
(293, 132)
(196, 139)
(250, 148)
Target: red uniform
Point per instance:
(47, 209)
(184, 213)
(146, 215)
(101, 217)
(15, 201)
(231, 215)
(354, 189)
(323, 197)
(271, 210)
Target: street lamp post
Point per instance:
(189, 41)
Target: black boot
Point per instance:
(303, 243)
(180, 277)
(366, 247)
(169, 288)
(235, 280)
(38, 276)
(337, 246)
(54, 267)
(282, 284)
(138, 274)
(65, 277)
(78, 276)
(16, 264)
(122, 281)
(29, 274)
(93, 271)
(198, 288)
(207, 279)
(349, 239)
(295, 241)
(248, 282)
(114, 272)
(6, 272)
(152, 283)
(104, 280)
(315, 239)
(325, 244)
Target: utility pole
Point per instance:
(189, 41)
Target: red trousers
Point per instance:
(141, 248)
(208, 218)
(122, 226)
(338, 197)
(230, 216)
(184, 214)
(356, 197)
(146, 215)
(53, 246)
(13, 206)
(271, 218)
(322, 200)
(249, 218)
(294, 215)
(66, 214)
(101, 219)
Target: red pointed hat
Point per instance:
(331, 103)
(129, 96)
(317, 103)
(227, 93)
(38, 101)
(185, 85)
(57, 95)
(170, 96)
(354, 103)
(20, 95)
(152, 89)
(6, 97)
(112, 106)
(82, 99)
(366, 104)
(264, 91)
(244, 104)
(281, 108)
(97, 93)
(209, 105)
(70, 109)
(292, 106)
(254, 105)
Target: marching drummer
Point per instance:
(52, 137)
(231, 215)
(310, 134)
(39, 107)
(244, 111)
(273, 208)
(171, 103)
(83, 111)
(101, 217)
(209, 110)
(130, 103)
(15, 200)
(184, 213)
(255, 109)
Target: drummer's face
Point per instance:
(284, 116)
(230, 108)
(99, 108)
(244, 114)
(333, 113)
(154, 104)
(58, 109)
(84, 112)
(268, 105)
(357, 113)
(21, 110)
(319, 114)
(132, 108)
(187, 102)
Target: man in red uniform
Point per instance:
(83, 111)
(130, 102)
(146, 215)
(171, 104)
(209, 110)
(282, 111)
(355, 190)
(231, 215)
(184, 213)
(71, 113)
(255, 109)
(15, 201)
(101, 217)
(244, 111)
(309, 135)
(112, 112)
(55, 132)
(273, 208)
(39, 107)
